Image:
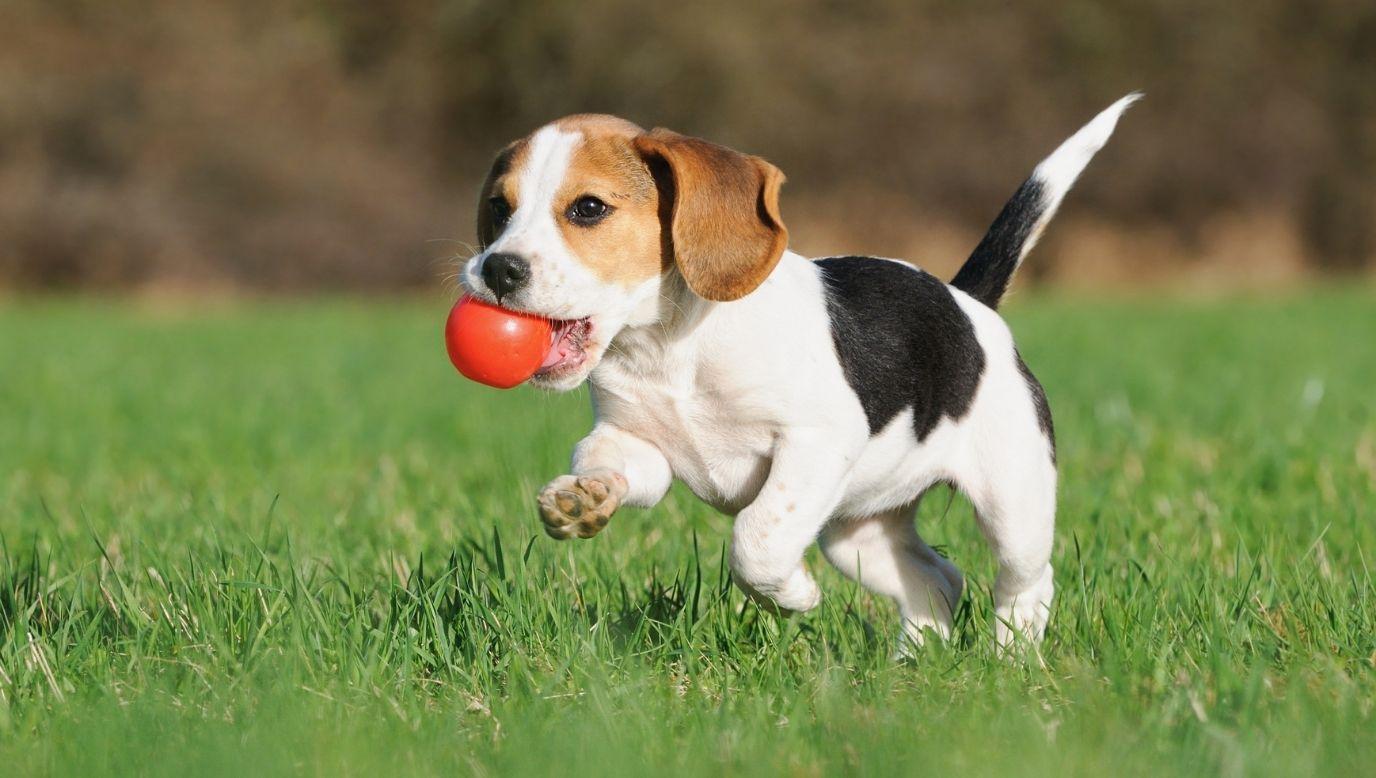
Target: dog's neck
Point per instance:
(682, 331)
(648, 349)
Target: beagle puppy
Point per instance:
(814, 400)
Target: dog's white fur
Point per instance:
(746, 402)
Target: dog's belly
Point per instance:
(724, 457)
(895, 468)
(723, 453)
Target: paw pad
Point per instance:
(578, 506)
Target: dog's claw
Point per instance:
(580, 506)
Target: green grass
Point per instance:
(286, 537)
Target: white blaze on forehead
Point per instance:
(546, 165)
(532, 231)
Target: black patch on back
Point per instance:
(903, 341)
(1039, 400)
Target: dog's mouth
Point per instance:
(567, 348)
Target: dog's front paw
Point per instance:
(580, 505)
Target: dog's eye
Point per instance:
(588, 210)
(501, 211)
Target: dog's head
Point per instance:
(583, 220)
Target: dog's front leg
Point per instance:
(805, 483)
(610, 466)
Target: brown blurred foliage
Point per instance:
(338, 144)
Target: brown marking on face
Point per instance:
(676, 200)
(502, 180)
(791, 506)
(624, 247)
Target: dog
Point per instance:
(814, 400)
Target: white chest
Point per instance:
(710, 437)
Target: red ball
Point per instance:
(494, 346)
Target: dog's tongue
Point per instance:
(558, 347)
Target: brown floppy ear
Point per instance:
(487, 229)
(724, 230)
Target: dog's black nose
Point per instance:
(505, 273)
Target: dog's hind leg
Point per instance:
(1015, 502)
(885, 554)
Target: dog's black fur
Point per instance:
(903, 341)
(1043, 407)
(986, 274)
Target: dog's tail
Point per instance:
(986, 274)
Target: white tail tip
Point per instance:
(1059, 171)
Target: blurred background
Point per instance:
(194, 144)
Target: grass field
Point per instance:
(271, 537)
